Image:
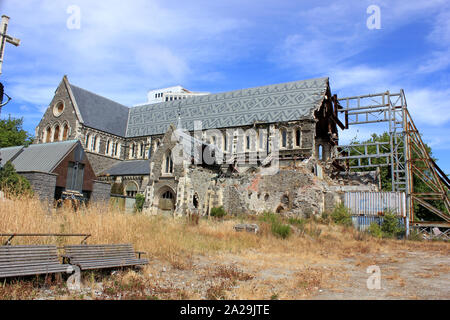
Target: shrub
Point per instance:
(375, 230)
(278, 228)
(390, 226)
(218, 212)
(13, 183)
(281, 230)
(139, 204)
(341, 215)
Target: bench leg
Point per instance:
(74, 281)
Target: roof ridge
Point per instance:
(236, 90)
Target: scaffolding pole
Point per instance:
(405, 153)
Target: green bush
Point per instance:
(390, 226)
(341, 215)
(13, 183)
(139, 202)
(281, 230)
(375, 230)
(277, 226)
(218, 212)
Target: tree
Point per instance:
(139, 204)
(12, 133)
(13, 183)
(386, 179)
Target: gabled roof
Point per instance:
(273, 103)
(41, 157)
(289, 101)
(101, 113)
(129, 167)
(7, 154)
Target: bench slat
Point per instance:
(102, 256)
(100, 266)
(89, 248)
(37, 267)
(34, 271)
(28, 263)
(89, 256)
(25, 251)
(29, 260)
(99, 251)
(22, 246)
(98, 245)
(92, 261)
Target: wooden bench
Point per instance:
(98, 256)
(25, 260)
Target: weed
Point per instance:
(218, 212)
(232, 273)
(281, 230)
(341, 215)
(375, 230)
(390, 226)
(298, 222)
(218, 291)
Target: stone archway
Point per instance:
(166, 200)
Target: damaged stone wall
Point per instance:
(297, 191)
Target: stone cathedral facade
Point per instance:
(294, 125)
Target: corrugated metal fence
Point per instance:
(369, 207)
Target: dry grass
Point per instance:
(236, 265)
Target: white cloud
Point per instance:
(429, 106)
(131, 46)
(361, 77)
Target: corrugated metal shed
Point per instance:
(42, 157)
(375, 203)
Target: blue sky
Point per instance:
(123, 49)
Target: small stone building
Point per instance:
(54, 168)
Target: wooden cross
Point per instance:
(4, 37)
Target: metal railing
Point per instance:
(12, 235)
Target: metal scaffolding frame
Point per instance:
(405, 152)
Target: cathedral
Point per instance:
(249, 150)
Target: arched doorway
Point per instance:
(131, 189)
(166, 202)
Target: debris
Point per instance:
(246, 227)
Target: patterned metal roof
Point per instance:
(42, 157)
(129, 167)
(273, 103)
(101, 113)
